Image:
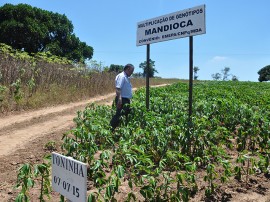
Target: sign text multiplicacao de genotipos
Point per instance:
(180, 24)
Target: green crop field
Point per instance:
(162, 154)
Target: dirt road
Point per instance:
(18, 130)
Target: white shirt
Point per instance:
(122, 81)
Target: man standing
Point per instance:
(123, 94)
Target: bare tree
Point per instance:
(216, 76)
(225, 73)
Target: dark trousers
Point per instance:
(124, 110)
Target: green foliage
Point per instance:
(210, 177)
(151, 71)
(116, 68)
(2, 93)
(157, 152)
(43, 171)
(26, 182)
(18, 94)
(26, 178)
(247, 166)
(264, 74)
(33, 57)
(35, 30)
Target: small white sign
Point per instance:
(176, 25)
(69, 177)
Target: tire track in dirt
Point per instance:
(18, 130)
(13, 120)
(12, 141)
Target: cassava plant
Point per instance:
(29, 175)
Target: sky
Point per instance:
(237, 34)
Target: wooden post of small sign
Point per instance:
(190, 78)
(147, 74)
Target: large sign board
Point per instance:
(69, 177)
(189, 22)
